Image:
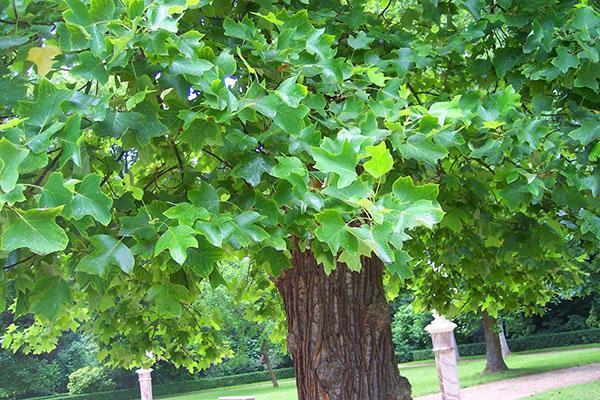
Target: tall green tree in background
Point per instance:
(143, 143)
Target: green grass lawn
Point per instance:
(424, 378)
(586, 391)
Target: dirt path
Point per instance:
(525, 386)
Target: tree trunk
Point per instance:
(267, 361)
(493, 351)
(503, 341)
(339, 331)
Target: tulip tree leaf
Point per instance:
(177, 240)
(107, 252)
(51, 293)
(381, 160)
(342, 164)
(90, 200)
(35, 229)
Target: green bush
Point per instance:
(533, 342)
(90, 380)
(545, 341)
(181, 387)
(408, 329)
(22, 376)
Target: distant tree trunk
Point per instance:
(493, 350)
(339, 331)
(503, 341)
(267, 361)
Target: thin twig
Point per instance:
(9, 266)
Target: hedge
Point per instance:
(533, 342)
(179, 387)
(520, 344)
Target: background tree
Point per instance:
(145, 143)
(502, 243)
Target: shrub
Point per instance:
(22, 376)
(182, 387)
(90, 380)
(533, 342)
(408, 329)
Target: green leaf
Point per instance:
(360, 41)
(590, 222)
(291, 92)
(71, 140)
(381, 161)
(89, 200)
(187, 66)
(11, 123)
(291, 120)
(421, 148)
(45, 105)
(14, 196)
(287, 166)
(203, 260)
(177, 239)
(244, 30)
(243, 229)
(587, 133)
(36, 230)
(50, 294)
(54, 194)
(102, 10)
(8, 41)
(77, 13)
(11, 157)
(331, 230)
(588, 76)
(342, 164)
(253, 169)
(168, 298)
(352, 260)
(270, 17)
(412, 205)
(407, 192)
(401, 267)
(586, 21)
(91, 68)
(187, 213)
(565, 60)
(40, 142)
(108, 252)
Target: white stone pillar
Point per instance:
(503, 341)
(145, 378)
(446, 362)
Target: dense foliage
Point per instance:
(145, 142)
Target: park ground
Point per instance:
(423, 376)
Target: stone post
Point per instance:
(145, 383)
(446, 362)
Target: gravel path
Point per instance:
(525, 386)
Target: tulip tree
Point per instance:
(145, 143)
(519, 194)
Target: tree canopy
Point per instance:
(143, 143)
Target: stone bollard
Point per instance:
(145, 383)
(446, 362)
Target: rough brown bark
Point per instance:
(339, 332)
(493, 350)
(267, 361)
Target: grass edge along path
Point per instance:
(585, 391)
(424, 378)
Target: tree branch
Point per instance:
(9, 266)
